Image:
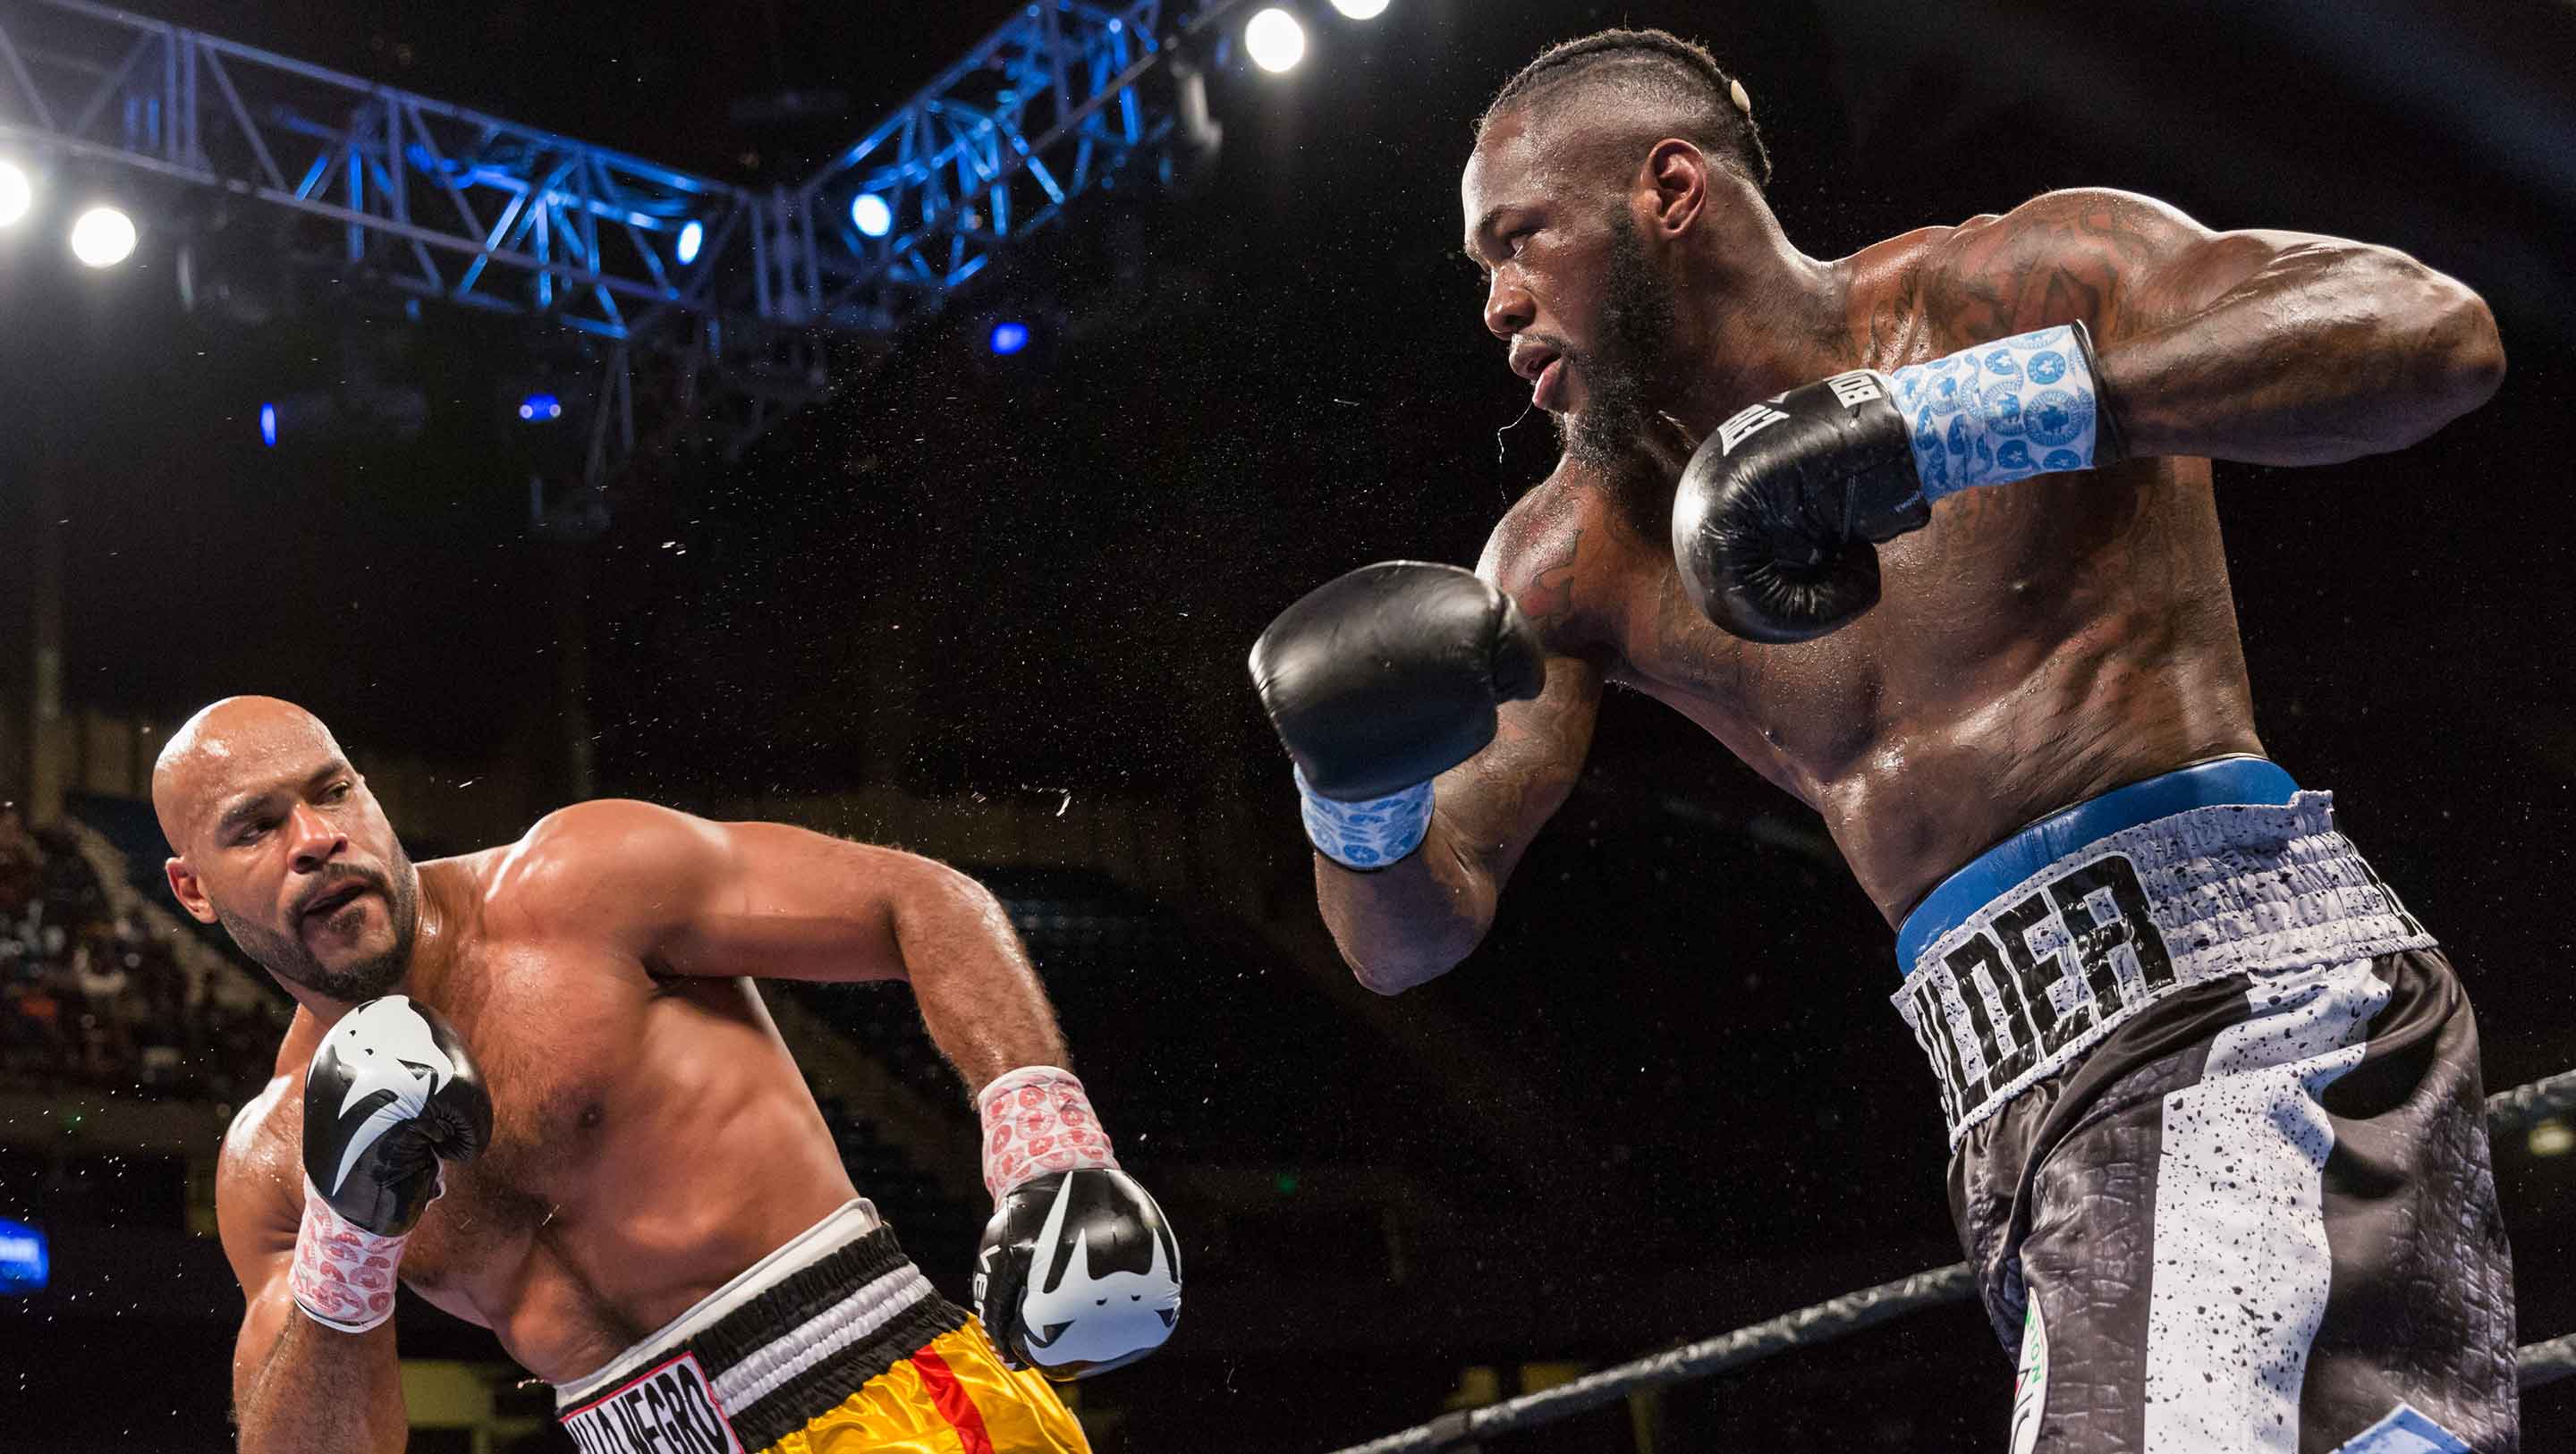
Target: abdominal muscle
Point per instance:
(2038, 644)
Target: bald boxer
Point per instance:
(1925, 535)
(536, 1085)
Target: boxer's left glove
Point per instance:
(1780, 512)
(390, 1094)
(1378, 682)
(1078, 1272)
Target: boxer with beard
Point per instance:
(1926, 536)
(536, 1085)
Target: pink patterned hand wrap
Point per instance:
(1037, 1120)
(343, 1276)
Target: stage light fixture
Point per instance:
(24, 1259)
(1361, 9)
(1009, 337)
(17, 193)
(540, 408)
(1274, 39)
(870, 215)
(268, 425)
(102, 237)
(693, 233)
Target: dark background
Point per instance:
(1058, 568)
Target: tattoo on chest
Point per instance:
(1548, 599)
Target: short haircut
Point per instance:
(1657, 67)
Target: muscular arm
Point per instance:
(693, 897)
(2260, 346)
(1416, 920)
(297, 1385)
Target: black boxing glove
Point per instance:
(1381, 680)
(390, 1094)
(1078, 1272)
(1780, 512)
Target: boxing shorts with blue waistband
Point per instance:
(2217, 1132)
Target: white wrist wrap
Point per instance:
(1368, 834)
(343, 1276)
(1036, 1120)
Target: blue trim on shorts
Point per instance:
(2238, 780)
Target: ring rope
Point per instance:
(2540, 1363)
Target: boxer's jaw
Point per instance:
(1631, 352)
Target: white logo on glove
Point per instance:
(1751, 420)
(1096, 1318)
(394, 1052)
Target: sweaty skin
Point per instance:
(2038, 643)
(652, 1137)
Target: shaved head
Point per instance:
(275, 836)
(210, 750)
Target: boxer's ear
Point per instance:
(1678, 181)
(190, 893)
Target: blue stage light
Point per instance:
(692, 233)
(24, 1264)
(870, 215)
(268, 425)
(538, 408)
(1009, 338)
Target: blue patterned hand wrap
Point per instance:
(1368, 834)
(2001, 411)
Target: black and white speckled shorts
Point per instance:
(2219, 1150)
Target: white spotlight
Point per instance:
(1275, 40)
(102, 237)
(17, 194)
(1361, 9)
(2552, 1137)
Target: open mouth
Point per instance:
(331, 902)
(1548, 392)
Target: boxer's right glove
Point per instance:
(1078, 1272)
(1380, 681)
(390, 1093)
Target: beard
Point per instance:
(1638, 316)
(285, 956)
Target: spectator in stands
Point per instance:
(20, 860)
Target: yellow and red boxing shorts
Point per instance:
(833, 1344)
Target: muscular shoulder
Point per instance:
(595, 862)
(2080, 255)
(1557, 553)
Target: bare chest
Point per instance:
(1972, 607)
(556, 1054)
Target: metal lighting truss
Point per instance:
(1041, 110)
(713, 301)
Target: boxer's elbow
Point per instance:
(1393, 974)
(1408, 923)
(2473, 360)
(1389, 958)
(2445, 333)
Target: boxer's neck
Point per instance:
(1757, 316)
(445, 905)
